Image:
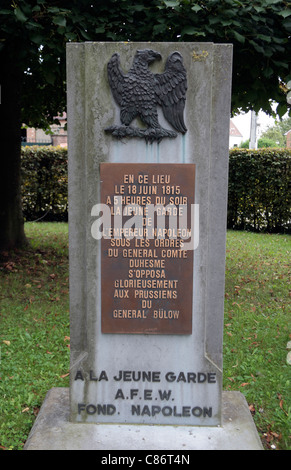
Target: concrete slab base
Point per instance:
(52, 430)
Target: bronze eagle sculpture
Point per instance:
(140, 92)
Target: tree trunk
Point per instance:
(11, 219)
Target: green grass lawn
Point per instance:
(34, 329)
(257, 328)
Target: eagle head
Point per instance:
(147, 56)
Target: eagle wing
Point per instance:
(170, 88)
(116, 78)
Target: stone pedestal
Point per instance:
(53, 430)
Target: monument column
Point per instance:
(148, 131)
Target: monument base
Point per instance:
(52, 430)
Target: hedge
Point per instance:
(44, 183)
(258, 193)
(259, 190)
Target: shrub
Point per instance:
(259, 190)
(265, 142)
(44, 183)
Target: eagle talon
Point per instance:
(150, 135)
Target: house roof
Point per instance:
(233, 130)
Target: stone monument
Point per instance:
(148, 129)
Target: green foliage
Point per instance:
(258, 192)
(258, 199)
(44, 183)
(260, 33)
(34, 33)
(278, 130)
(245, 144)
(264, 142)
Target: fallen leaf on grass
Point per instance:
(281, 404)
(252, 409)
(10, 265)
(6, 342)
(244, 384)
(25, 409)
(65, 375)
(270, 436)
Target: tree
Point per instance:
(277, 131)
(264, 142)
(260, 32)
(33, 34)
(32, 78)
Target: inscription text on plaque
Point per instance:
(146, 270)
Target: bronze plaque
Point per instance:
(146, 272)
